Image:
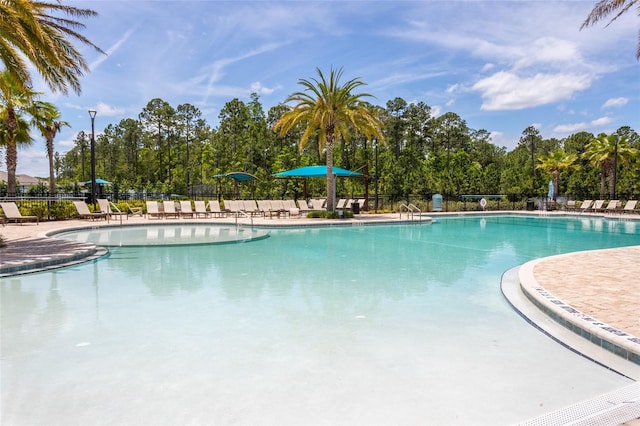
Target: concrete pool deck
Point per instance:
(600, 285)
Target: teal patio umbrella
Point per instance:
(318, 172)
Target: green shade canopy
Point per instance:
(241, 176)
(316, 171)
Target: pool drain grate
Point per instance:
(613, 408)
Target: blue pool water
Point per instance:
(351, 325)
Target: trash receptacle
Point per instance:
(530, 204)
(436, 200)
(355, 207)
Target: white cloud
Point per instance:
(615, 102)
(111, 50)
(508, 91)
(257, 87)
(578, 127)
(103, 109)
(488, 67)
(549, 50)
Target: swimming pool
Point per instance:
(373, 324)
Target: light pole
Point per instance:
(375, 147)
(92, 114)
(615, 166)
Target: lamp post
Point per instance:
(92, 114)
(615, 166)
(375, 146)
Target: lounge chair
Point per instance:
(153, 210)
(586, 204)
(201, 209)
(279, 208)
(85, 213)
(630, 206)
(318, 203)
(291, 207)
(571, 206)
(342, 204)
(214, 208)
(135, 211)
(612, 207)
(12, 213)
(110, 209)
(170, 209)
(233, 206)
(185, 209)
(265, 208)
(597, 206)
(250, 207)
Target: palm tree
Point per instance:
(45, 118)
(605, 8)
(41, 32)
(331, 111)
(606, 152)
(554, 164)
(14, 99)
(19, 136)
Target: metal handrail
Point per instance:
(246, 215)
(411, 209)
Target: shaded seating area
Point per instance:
(12, 214)
(85, 213)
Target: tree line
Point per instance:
(173, 150)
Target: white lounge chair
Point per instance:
(85, 213)
(291, 207)
(153, 210)
(318, 203)
(630, 206)
(110, 209)
(612, 207)
(265, 208)
(597, 206)
(201, 209)
(185, 209)
(586, 204)
(214, 209)
(170, 209)
(12, 213)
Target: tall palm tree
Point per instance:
(42, 32)
(606, 152)
(604, 8)
(11, 140)
(555, 163)
(331, 110)
(45, 117)
(14, 100)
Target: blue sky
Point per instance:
(501, 65)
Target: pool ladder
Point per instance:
(245, 214)
(411, 211)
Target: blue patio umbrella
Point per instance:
(316, 171)
(99, 182)
(319, 171)
(241, 176)
(550, 193)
